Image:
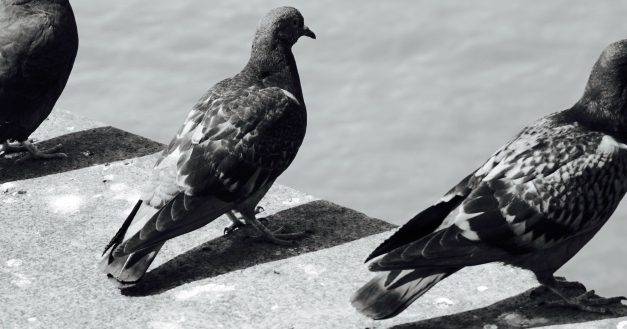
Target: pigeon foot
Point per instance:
(35, 153)
(559, 283)
(236, 222)
(276, 237)
(588, 302)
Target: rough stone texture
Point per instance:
(56, 223)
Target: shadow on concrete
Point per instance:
(525, 310)
(84, 148)
(330, 225)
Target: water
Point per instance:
(404, 97)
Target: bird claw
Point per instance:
(34, 153)
(587, 302)
(261, 236)
(276, 237)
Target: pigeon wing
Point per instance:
(428, 220)
(530, 199)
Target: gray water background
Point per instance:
(404, 97)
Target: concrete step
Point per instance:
(57, 216)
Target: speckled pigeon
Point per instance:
(534, 204)
(38, 45)
(233, 145)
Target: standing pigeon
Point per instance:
(534, 204)
(231, 148)
(38, 45)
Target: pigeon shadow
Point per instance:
(525, 310)
(327, 223)
(84, 148)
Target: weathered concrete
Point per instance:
(57, 221)
(55, 224)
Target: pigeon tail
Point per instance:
(421, 225)
(389, 293)
(129, 268)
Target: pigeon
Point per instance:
(238, 138)
(534, 204)
(38, 45)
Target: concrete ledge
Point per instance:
(85, 142)
(59, 214)
(57, 217)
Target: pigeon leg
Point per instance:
(587, 301)
(559, 282)
(236, 223)
(35, 153)
(283, 239)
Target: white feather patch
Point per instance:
(471, 235)
(291, 96)
(448, 197)
(187, 128)
(198, 134)
(609, 145)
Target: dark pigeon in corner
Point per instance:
(534, 204)
(38, 45)
(239, 137)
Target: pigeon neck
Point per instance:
(273, 63)
(603, 104)
(601, 114)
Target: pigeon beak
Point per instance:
(308, 32)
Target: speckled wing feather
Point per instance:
(231, 145)
(553, 183)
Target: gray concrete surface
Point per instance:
(56, 222)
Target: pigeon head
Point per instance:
(282, 26)
(604, 101)
(271, 59)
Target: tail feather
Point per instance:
(390, 293)
(119, 236)
(129, 268)
(133, 248)
(421, 225)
